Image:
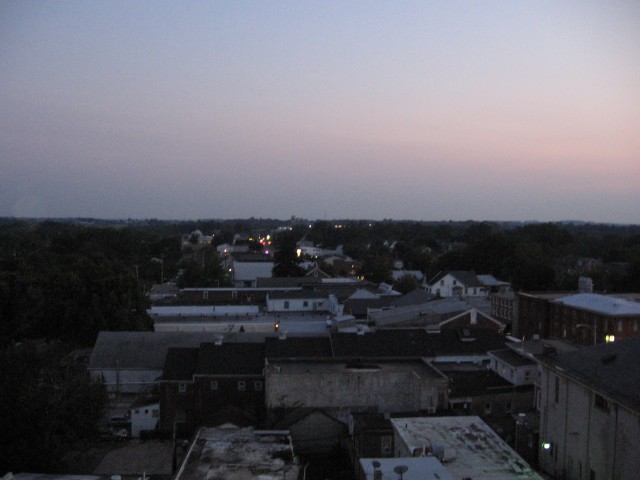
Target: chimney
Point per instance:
(585, 285)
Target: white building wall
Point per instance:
(144, 417)
(448, 286)
(297, 305)
(586, 438)
(517, 375)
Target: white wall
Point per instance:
(447, 286)
(584, 436)
(144, 417)
(297, 304)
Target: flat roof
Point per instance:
(369, 365)
(471, 448)
(603, 304)
(230, 453)
(418, 468)
(202, 310)
(509, 356)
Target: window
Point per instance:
(182, 387)
(146, 411)
(213, 385)
(205, 295)
(257, 386)
(487, 408)
(242, 386)
(286, 305)
(441, 283)
(385, 445)
(305, 303)
(635, 325)
(509, 407)
(619, 325)
(527, 375)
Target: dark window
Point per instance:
(242, 386)
(182, 387)
(257, 386)
(213, 385)
(286, 305)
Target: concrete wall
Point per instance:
(586, 437)
(388, 391)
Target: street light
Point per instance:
(593, 329)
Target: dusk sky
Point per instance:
(482, 110)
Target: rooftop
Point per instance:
(232, 453)
(612, 369)
(419, 468)
(512, 358)
(372, 365)
(471, 448)
(602, 304)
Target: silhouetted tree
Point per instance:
(285, 258)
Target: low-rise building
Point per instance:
(305, 300)
(584, 318)
(466, 445)
(344, 386)
(419, 468)
(232, 453)
(459, 283)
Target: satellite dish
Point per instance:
(400, 470)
